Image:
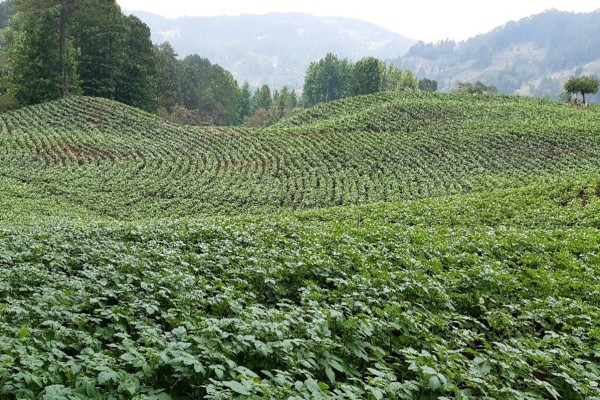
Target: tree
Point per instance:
(367, 77)
(392, 78)
(408, 81)
(262, 98)
(60, 47)
(245, 101)
(100, 35)
(56, 15)
(211, 91)
(168, 77)
(326, 80)
(428, 85)
(135, 84)
(36, 71)
(284, 103)
(583, 84)
(476, 88)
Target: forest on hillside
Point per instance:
(530, 56)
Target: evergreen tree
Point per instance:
(262, 98)
(210, 91)
(40, 69)
(245, 101)
(99, 34)
(59, 47)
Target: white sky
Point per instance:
(423, 20)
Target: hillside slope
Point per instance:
(117, 162)
(143, 260)
(532, 56)
(275, 48)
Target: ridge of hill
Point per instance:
(531, 56)
(275, 48)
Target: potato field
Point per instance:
(392, 246)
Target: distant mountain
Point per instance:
(533, 56)
(274, 48)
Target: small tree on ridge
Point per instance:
(583, 84)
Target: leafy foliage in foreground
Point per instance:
(491, 299)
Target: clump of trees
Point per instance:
(581, 85)
(267, 109)
(59, 47)
(475, 88)
(332, 78)
(54, 48)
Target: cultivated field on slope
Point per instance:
(463, 263)
(115, 162)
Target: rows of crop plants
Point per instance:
(484, 296)
(119, 162)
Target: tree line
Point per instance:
(332, 78)
(51, 49)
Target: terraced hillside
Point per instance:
(383, 247)
(116, 162)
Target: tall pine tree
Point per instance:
(59, 47)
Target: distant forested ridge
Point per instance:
(532, 56)
(275, 49)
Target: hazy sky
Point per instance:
(423, 20)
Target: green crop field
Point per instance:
(394, 246)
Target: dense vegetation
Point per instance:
(50, 49)
(120, 162)
(140, 259)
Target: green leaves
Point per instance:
(107, 377)
(237, 387)
(489, 294)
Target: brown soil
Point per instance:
(58, 154)
(37, 148)
(8, 128)
(583, 198)
(73, 150)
